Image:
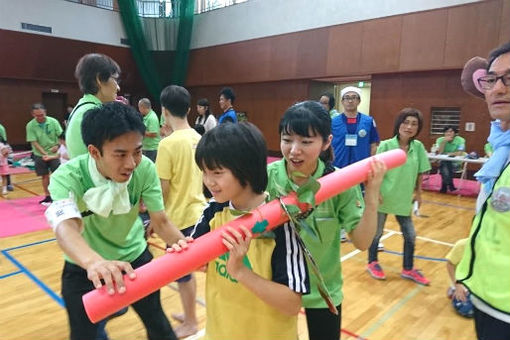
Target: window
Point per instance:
(444, 116)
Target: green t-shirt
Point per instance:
(457, 144)
(74, 140)
(45, 134)
(3, 134)
(398, 185)
(333, 113)
(343, 211)
(151, 125)
(162, 119)
(117, 237)
(488, 149)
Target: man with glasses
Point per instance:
(485, 266)
(42, 134)
(355, 136)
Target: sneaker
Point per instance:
(380, 246)
(4, 191)
(10, 187)
(46, 201)
(375, 270)
(415, 275)
(343, 236)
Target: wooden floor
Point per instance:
(394, 309)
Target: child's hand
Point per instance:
(460, 292)
(180, 245)
(238, 244)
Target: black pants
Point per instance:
(322, 324)
(489, 328)
(447, 172)
(75, 284)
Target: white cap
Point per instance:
(350, 89)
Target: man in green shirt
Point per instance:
(95, 217)
(452, 145)
(150, 120)
(42, 134)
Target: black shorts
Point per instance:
(44, 167)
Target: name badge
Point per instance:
(501, 200)
(351, 140)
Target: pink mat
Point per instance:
(464, 187)
(20, 216)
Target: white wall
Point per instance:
(67, 20)
(248, 20)
(262, 18)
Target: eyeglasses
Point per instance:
(489, 81)
(349, 98)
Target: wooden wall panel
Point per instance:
(312, 53)
(424, 90)
(471, 31)
(504, 27)
(265, 103)
(423, 33)
(283, 63)
(380, 50)
(344, 49)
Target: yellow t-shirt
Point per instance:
(233, 311)
(175, 162)
(455, 255)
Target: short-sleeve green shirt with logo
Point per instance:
(457, 144)
(398, 184)
(45, 134)
(116, 237)
(74, 139)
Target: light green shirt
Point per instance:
(488, 149)
(116, 237)
(150, 120)
(45, 134)
(74, 139)
(3, 134)
(457, 144)
(343, 211)
(333, 113)
(162, 119)
(398, 185)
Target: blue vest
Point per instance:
(345, 155)
(230, 113)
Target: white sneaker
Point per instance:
(4, 191)
(380, 246)
(343, 236)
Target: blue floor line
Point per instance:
(29, 244)
(417, 256)
(10, 274)
(34, 278)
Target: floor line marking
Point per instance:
(392, 311)
(10, 274)
(449, 205)
(421, 257)
(357, 251)
(425, 239)
(34, 278)
(29, 244)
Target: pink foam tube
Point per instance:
(171, 266)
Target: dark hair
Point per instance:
(109, 121)
(408, 112)
(38, 106)
(448, 127)
(92, 66)
(301, 117)
(62, 136)
(176, 100)
(241, 148)
(503, 49)
(331, 99)
(205, 103)
(228, 93)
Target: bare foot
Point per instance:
(178, 317)
(185, 330)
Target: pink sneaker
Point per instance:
(415, 275)
(375, 270)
